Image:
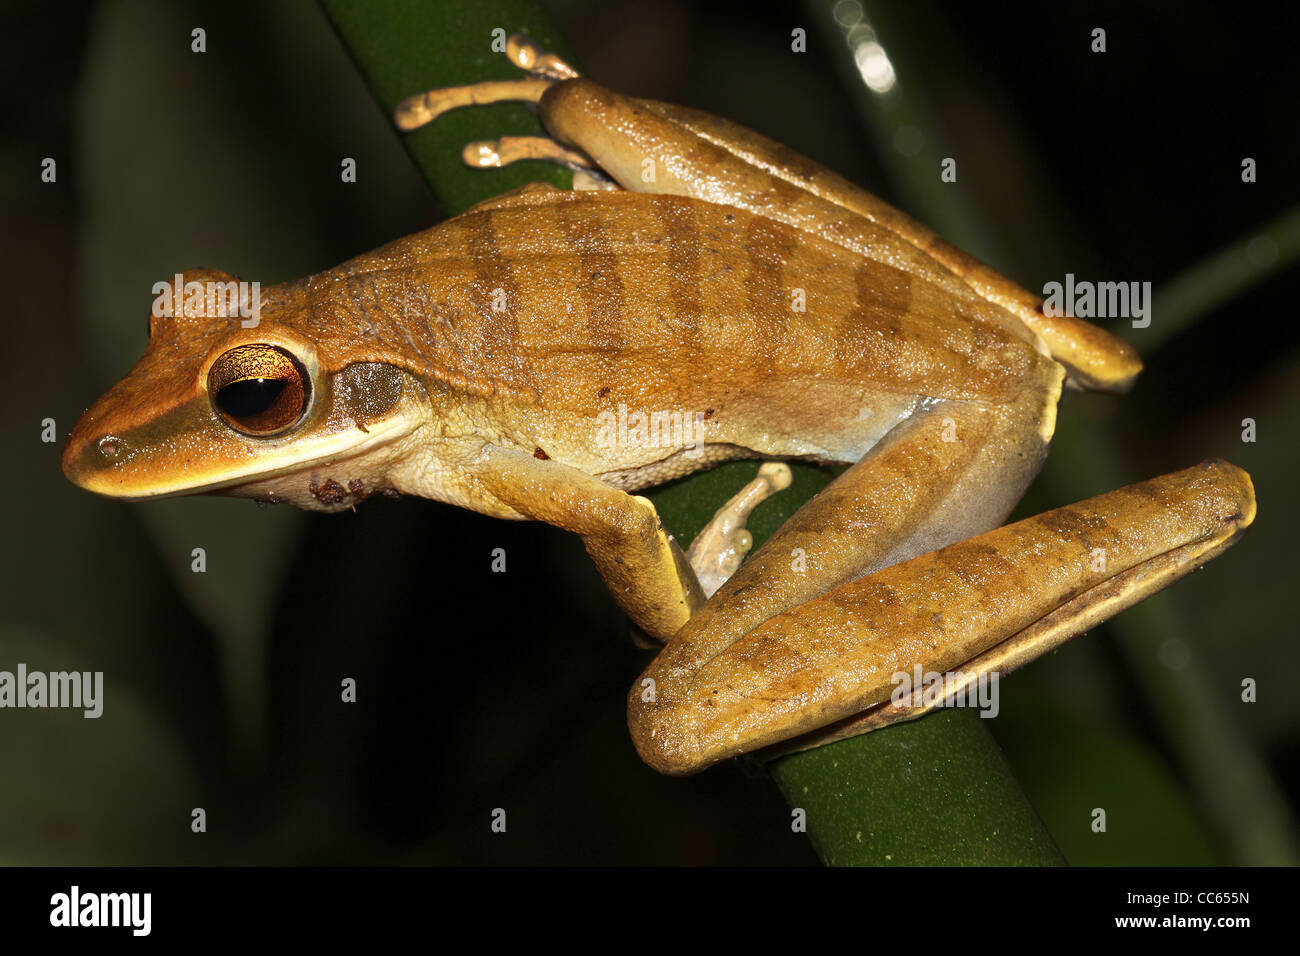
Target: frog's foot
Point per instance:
(717, 551)
(423, 108)
(544, 69)
(491, 153)
(525, 53)
(494, 153)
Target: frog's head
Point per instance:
(274, 411)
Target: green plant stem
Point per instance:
(932, 792)
(936, 791)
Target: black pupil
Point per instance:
(249, 397)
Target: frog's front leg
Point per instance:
(825, 669)
(642, 566)
(654, 582)
(546, 70)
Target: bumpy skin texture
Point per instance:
(792, 313)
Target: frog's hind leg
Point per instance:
(949, 470)
(829, 668)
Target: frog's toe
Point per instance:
(718, 550)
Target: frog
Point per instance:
(701, 294)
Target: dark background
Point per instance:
(479, 690)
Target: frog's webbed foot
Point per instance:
(717, 551)
(545, 69)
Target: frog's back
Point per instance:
(577, 302)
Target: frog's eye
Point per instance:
(259, 389)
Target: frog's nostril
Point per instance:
(110, 446)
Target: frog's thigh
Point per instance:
(950, 470)
(947, 472)
(1046, 578)
(642, 566)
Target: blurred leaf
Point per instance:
(1097, 763)
(1222, 276)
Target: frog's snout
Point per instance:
(89, 453)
